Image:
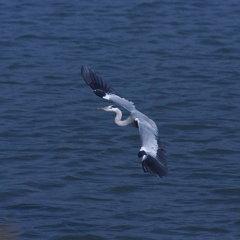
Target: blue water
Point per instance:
(67, 171)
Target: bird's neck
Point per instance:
(119, 117)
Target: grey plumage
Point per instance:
(151, 151)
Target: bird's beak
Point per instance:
(103, 108)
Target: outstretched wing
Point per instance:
(152, 153)
(103, 89)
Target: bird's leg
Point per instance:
(162, 149)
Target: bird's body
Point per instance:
(151, 151)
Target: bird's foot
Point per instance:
(162, 149)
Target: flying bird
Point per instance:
(151, 151)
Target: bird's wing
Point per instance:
(103, 89)
(151, 151)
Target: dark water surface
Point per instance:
(67, 171)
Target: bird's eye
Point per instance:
(110, 107)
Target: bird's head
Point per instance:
(110, 108)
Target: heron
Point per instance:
(151, 151)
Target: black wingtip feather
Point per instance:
(99, 93)
(152, 165)
(100, 86)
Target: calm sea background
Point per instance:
(67, 171)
